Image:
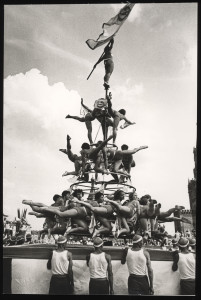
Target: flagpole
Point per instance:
(96, 62)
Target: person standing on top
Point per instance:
(108, 62)
(100, 269)
(138, 261)
(60, 262)
(184, 261)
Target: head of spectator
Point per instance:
(183, 244)
(137, 241)
(61, 242)
(98, 243)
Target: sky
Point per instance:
(46, 64)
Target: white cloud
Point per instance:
(189, 64)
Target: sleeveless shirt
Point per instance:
(136, 262)
(98, 265)
(186, 265)
(60, 263)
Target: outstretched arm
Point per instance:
(86, 107)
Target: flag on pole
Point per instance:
(111, 27)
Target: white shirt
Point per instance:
(186, 265)
(60, 263)
(136, 262)
(98, 265)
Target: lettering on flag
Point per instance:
(111, 27)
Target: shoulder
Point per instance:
(69, 254)
(146, 254)
(107, 256)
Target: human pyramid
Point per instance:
(103, 213)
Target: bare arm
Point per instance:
(87, 259)
(49, 264)
(82, 103)
(70, 270)
(123, 259)
(175, 261)
(150, 271)
(110, 274)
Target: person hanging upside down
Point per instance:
(117, 116)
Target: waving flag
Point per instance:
(111, 27)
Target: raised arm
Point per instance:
(86, 107)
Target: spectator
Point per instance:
(100, 266)
(137, 260)
(60, 262)
(185, 262)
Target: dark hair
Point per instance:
(98, 195)
(64, 193)
(122, 111)
(124, 147)
(117, 194)
(85, 146)
(55, 197)
(77, 191)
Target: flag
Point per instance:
(111, 27)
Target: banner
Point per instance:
(111, 27)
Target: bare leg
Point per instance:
(89, 129)
(82, 227)
(107, 227)
(38, 215)
(30, 202)
(81, 119)
(126, 228)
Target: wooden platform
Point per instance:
(79, 252)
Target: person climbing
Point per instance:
(100, 113)
(100, 269)
(117, 117)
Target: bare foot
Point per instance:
(28, 202)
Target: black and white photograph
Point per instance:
(99, 148)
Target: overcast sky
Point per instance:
(46, 63)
